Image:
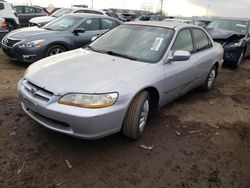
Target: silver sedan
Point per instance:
(123, 76)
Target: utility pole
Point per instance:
(208, 6)
(92, 3)
(30, 2)
(161, 6)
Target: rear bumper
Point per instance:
(74, 121)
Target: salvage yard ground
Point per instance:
(200, 140)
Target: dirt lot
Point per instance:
(200, 140)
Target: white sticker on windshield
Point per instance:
(157, 43)
(241, 25)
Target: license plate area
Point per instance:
(29, 104)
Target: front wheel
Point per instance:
(210, 81)
(136, 117)
(54, 50)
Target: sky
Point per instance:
(224, 8)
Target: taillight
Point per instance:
(4, 25)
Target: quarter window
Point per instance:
(38, 10)
(1, 6)
(183, 41)
(201, 40)
(90, 25)
(108, 24)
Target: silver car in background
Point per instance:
(117, 81)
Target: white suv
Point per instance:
(8, 13)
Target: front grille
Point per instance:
(37, 91)
(10, 42)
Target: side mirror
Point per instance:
(79, 30)
(94, 38)
(180, 55)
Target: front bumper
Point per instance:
(232, 54)
(74, 121)
(28, 55)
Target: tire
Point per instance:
(210, 81)
(136, 117)
(54, 50)
(237, 63)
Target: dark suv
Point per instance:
(25, 13)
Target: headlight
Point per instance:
(32, 44)
(235, 44)
(89, 100)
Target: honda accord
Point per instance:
(114, 83)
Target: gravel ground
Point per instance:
(200, 140)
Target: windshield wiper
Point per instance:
(93, 49)
(48, 28)
(120, 55)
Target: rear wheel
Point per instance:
(136, 116)
(54, 50)
(210, 81)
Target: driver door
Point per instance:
(179, 75)
(91, 27)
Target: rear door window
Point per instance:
(108, 24)
(183, 41)
(91, 25)
(201, 40)
(29, 10)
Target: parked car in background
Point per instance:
(110, 13)
(180, 21)
(8, 13)
(41, 21)
(3, 28)
(127, 17)
(160, 17)
(145, 17)
(234, 35)
(51, 11)
(25, 13)
(65, 33)
(118, 80)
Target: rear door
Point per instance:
(203, 55)
(92, 28)
(180, 74)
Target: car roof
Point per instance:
(165, 24)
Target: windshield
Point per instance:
(63, 23)
(62, 12)
(230, 25)
(136, 42)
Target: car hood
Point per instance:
(29, 33)
(80, 71)
(223, 34)
(42, 19)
